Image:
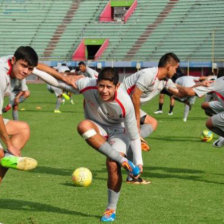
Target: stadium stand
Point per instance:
(192, 29)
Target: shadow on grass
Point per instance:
(48, 111)
(177, 173)
(180, 118)
(54, 171)
(18, 205)
(176, 138)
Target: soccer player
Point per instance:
(87, 71)
(15, 134)
(109, 127)
(19, 93)
(146, 84)
(214, 109)
(187, 81)
(164, 92)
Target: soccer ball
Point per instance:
(82, 177)
(206, 135)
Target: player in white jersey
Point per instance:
(107, 107)
(19, 93)
(187, 81)
(87, 71)
(214, 109)
(14, 134)
(146, 84)
(58, 92)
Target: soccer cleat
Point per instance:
(66, 96)
(139, 180)
(219, 142)
(185, 119)
(144, 145)
(131, 168)
(23, 109)
(71, 101)
(57, 111)
(170, 113)
(158, 112)
(7, 108)
(19, 163)
(108, 216)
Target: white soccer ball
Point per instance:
(82, 177)
(206, 135)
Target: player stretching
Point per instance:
(15, 134)
(146, 84)
(106, 108)
(214, 109)
(19, 93)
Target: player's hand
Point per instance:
(141, 168)
(71, 79)
(207, 83)
(16, 101)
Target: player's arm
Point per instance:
(136, 102)
(16, 100)
(70, 80)
(132, 130)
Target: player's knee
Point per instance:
(204, 105)
(86, 129)
(151, 121)
(83, 126)
(2, 153)
(27, 94)
(209, 124)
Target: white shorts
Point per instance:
(216, 106)
(116, 137)
(55, 90)
(218, 120)
(5, 122)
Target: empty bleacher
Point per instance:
(193, 29)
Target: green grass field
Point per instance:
(187, 175)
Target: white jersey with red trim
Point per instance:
(91, 73)
(216, 88)
(147, 81)
(187, 81)
(112, 113)
(5, 85)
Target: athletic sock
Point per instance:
(186, 111)
(146, 130)
(15, 115)
(160, 106)
(171, 109)
(58, 103)
(108, 151)
(112, 199)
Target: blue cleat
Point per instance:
(133, 170)
(108, 216)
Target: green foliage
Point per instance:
(187, 174)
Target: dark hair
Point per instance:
(81, 63)
(27, 54)
(168, 58)
(109, 74)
